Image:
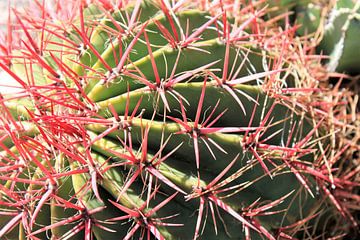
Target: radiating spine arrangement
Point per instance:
(166, 119)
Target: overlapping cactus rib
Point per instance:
(170, 120)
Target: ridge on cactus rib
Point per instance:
(166, 119)
(340, 30)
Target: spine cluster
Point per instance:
(171, 120)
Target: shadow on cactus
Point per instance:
(159, 120)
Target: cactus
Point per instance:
(339, 23)
(158, 120)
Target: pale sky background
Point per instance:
(5, 79)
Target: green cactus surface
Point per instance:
(340, 27)
(168, 120)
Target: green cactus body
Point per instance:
(341, 29)
(163, 131)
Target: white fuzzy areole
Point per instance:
(336, 55)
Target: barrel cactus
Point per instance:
(338, 24)
(169, 120)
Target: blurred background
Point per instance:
(4, 8)
(5, 80)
